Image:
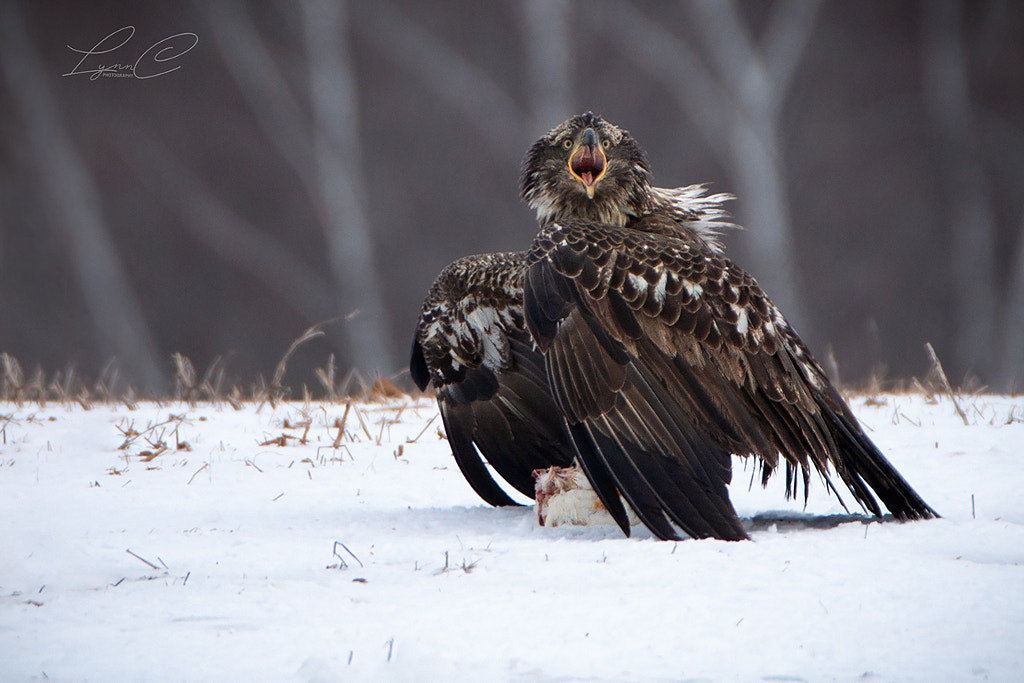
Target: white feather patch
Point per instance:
(482, 317)
(484, 321)
(741, 319)
(638, 281)
(659, 289)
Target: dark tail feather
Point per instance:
(862, 465)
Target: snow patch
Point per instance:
(262, 551)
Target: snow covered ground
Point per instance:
(199, 543)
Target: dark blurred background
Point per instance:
(222, 175)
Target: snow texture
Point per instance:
(241, 553)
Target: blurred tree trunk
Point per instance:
(759, 80)
(965, 205)
(265, 88)
(548, 62)
(738, 110)
(339, 164)
(484, 103)
(214, 224)
(75, 211)
(1011, 367)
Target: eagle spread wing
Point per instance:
(490, 380)
(660, 357)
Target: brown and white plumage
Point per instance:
(662, 357)
(471, 343)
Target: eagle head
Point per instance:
(589, 169)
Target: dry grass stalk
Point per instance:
(196, 474)
(67, 387)
(326, 378)
(105, 387)
(13, 378)
(354, 377)
(234, 398)
(184, 379)
(340, 424)
(382, 389)
(142, 559)
(213, 380)
(424, 430)
(342, 564)
(938, 374)
(362, 423)
(277, 391)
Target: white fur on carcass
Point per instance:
(565, 496)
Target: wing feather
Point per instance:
(712, 368)
(626, 427)
(459, 429)
(490, 381)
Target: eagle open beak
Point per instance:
(587, 162)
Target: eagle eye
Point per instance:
(606, 143)
(567, 143)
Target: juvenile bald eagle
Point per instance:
(624, 341)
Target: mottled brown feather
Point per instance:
(490, 381)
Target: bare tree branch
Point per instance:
(485, 104)
(264, 87)
(75, 208)
(672, 62)
(215, 224)
(731, 49)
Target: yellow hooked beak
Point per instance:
(587, 163)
